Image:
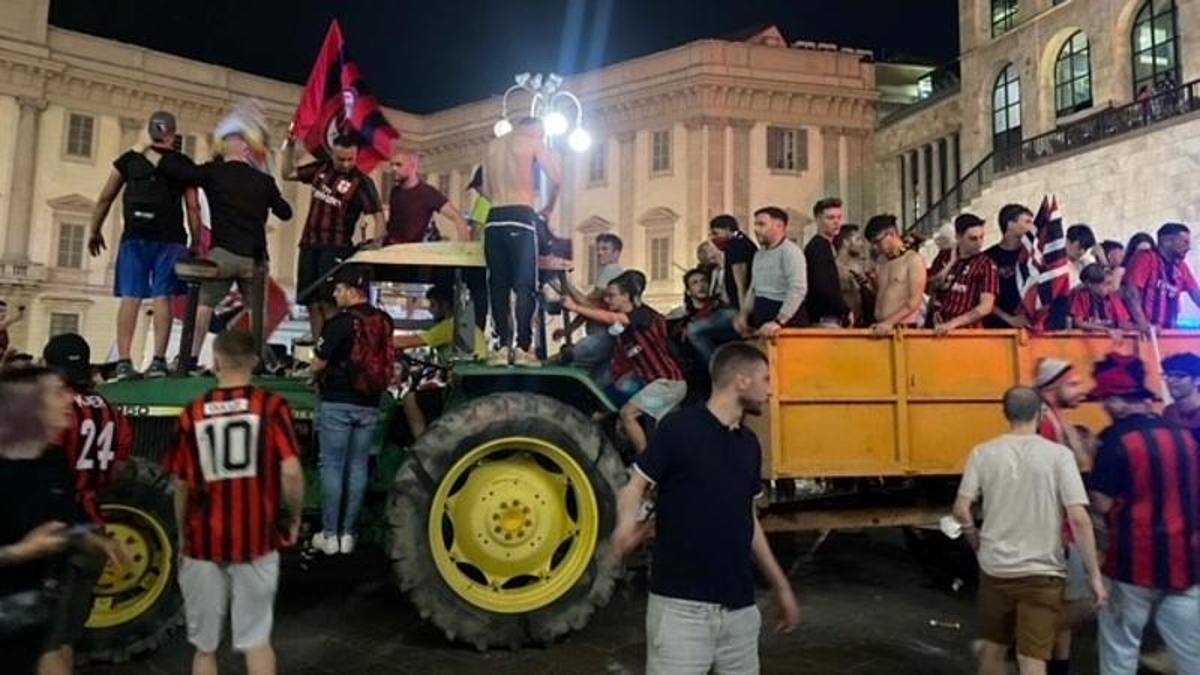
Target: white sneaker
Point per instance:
(526, 359)
(346, 543)
(325, 543)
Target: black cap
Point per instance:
(1184, 362)
(70, 354)
(161, 126)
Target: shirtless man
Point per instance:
(510, 171)
(900, 280)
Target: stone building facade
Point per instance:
(1034, 69)
(680, 136)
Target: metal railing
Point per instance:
(1104, 125)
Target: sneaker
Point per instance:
(124, 371)
(158, 368)
(346, 543)
(526, 359)
(498, 357)
(325, 543)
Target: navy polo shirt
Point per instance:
(708, 476)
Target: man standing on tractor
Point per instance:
(778, 279)
(341, 194)
(512, 169)
(965, 286)
(153, 240)
(707, 468)
(97, 442)
(234, 461)
(413, 202)
(1155, 279)
(353, 367)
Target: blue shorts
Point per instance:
(146, 269)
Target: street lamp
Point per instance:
(546, 99)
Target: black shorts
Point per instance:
(314, 263)
(77, 583)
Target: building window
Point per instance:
(598, 163)
(593, 264)
(70, 245)
(1004, 16)
(660, 257)
(1073, 76)
(927, 155)
(80, 131)
(63, 322)
(660, 151)
(914, 183)
(1155, 47)
(189, 145)
(1006, 109)
(787, 149)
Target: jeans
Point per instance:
(685, 637)
(594, 354)
(1177, 616)
(511, 255)
(345, 432)
(705, 335)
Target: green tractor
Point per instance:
(495, 519)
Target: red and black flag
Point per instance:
(338, 101)
(1044, 276)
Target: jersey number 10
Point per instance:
(228, 446)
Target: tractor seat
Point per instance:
(193, 271)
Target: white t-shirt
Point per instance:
(1025, 483)
(604, 277)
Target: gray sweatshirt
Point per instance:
(779, 274)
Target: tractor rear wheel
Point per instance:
(136, 608)
(499, 520)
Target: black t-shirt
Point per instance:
(335, 348)
(740, 250)
(1009, 298)
(708, 476)
(32, 492)
(161, 221)
(824, 299)
(239, 198)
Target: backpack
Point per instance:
(372, 354)
(147, 195)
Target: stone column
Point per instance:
(694, 213)
(905, 198)
(715, 177)
(936, 179)
(741, 170)
(626, 168)
(858, 188)
(924, 187)
(831, 161)
(566, 195)
(20, 201)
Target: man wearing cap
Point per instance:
(964, 290)
(97, 442)
(1061, 389)
(1147, 483)
(1025, 483)
(353, 367)
(1182, 373)
(240, 197)
(152, 241)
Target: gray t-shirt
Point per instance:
(780, 273)
(1025, 482)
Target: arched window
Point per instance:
(1006, 109)
(1155, 46)
(1004, 16)
(1073, 76)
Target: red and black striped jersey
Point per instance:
(229, 451)
(967, 280)
(338, 200)
(643, 348)
(97, 440)
(1160, 282)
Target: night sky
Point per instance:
(425, 56)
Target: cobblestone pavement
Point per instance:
(866, 607)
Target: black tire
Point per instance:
(432, 456)
(147, 488)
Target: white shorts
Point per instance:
(659, 397)
(207, 587)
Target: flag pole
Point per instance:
(1162, 376)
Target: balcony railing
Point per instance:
(1102, 126)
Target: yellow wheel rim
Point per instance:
(513, 525)
(124, 593)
